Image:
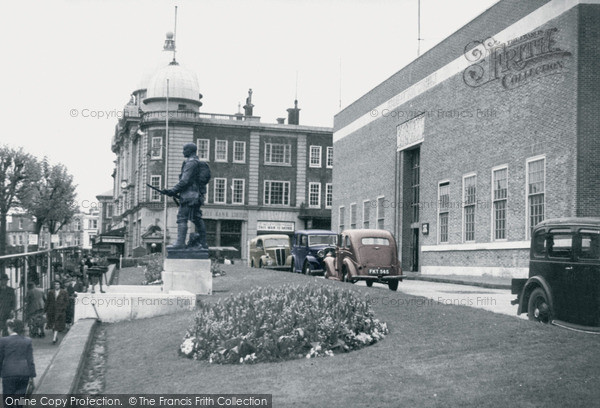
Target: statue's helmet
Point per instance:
(189, 149)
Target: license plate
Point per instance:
(378, 271)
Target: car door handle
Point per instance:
(568, 268)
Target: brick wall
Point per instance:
(588, 119)
(471, 130)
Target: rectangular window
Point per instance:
(239, 152)
(353, 216)
(366, 213)
(203, 149)
(415, 181)
(328, 195)
(380, 212)
(278, 154)
(444, 207)
(536, 179)
(329, 157)
(315, 156)
(155, 182)
(590, 244)
(20, 223)
(156, 148)
(314, 195)
(560, 243)
(469, 201)
(221, 151)
(220, 192)
(277, 193)
(499, 198)
(342, 218)
(238, 191)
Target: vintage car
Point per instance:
(364, 254)
(564, 274)
(269, 251)
(307, 250)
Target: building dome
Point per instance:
(183, 83)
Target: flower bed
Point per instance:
(274, 324)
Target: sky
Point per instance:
(69, 67)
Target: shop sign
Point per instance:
(216, 214)
(278, 226)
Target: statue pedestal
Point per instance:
(192, 275)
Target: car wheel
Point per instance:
(260, 265)
(393, 285)
(346, 277)
(292, 268)
(538, 308)
(252, 263)
(369, 283)
(306, 269)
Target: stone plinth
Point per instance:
(128, 302)
(192, 275)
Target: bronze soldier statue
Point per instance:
(191, 190)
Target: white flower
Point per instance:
(364, 337)
(187, 347)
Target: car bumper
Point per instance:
(382, 279)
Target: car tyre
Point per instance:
(260, 264)
(369, 283)
(346, 276)
(306, 269)
(292, 269)
(393, 285)
(252, 264)
(538, 307)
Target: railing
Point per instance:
(192, 115)
(41, 267)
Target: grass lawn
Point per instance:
(434, 355)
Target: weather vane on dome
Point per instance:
(170, 40)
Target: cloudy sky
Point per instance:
(67, 63)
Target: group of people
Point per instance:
(52, 310)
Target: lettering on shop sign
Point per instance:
(516, 62)
(224, 214)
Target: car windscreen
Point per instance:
(276, 242)
(375, 241)
(314, 240)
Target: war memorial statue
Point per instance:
(191, 191)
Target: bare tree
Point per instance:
(18, 171)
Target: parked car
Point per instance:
(308, 248)
(269, 251)
(365, 254)
(564, 274)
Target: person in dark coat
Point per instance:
(57, 302)
(8, 302)
(35, 302)
(16, 361)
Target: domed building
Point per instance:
(271, 178)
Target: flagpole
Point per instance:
(166, 171)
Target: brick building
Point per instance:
(469, 146)
(265, 177)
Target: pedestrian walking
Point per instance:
(35, 303)
(57, 302)
(17, 367)
(8, 302)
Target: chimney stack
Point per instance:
(280, 121)
(294, 114)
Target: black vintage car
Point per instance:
(564, 274)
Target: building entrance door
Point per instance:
(414, 251)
